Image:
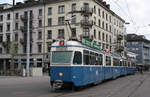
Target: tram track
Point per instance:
(133, 83)
(129, 84)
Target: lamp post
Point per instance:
(28, 44)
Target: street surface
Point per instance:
(137, 85)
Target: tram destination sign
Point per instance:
(91, 44)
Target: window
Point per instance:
(61, 57)
(103, 25)
(61, 9)
(110, 28)
(8, 27)
(49, 22)
(1, 38)
(106, 16)
(74, 7)
(40, 23)
(106, 38)
(73, 32)
(39, 48)
(103, 15)
(99, 35)
(95, 9)
(86, 7)
(94, 33)
(61, 20)
(1, 17)
(1, 27)
(49, 34)
(106, 27)
(99, 12)
(49, 11)
(110, 19)
(94, 20)
(1, 50)
(86, 32)
(8, 37)
(16, 37)
(73, 20)
(110, 39)
(17, 15)
(39, 35)
(61, 33)
(103, 37)
(16, 26)
(100, 59)
(31, 13)
(40, 12)
(90, 58)
(8, 16)
(116, 62)
(48, 47)
(77, 58)
(108, 60)
(86, 57)
(99, 23)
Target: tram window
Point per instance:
(125, 64)
(86, 57)
(61, 57)
(128, 64)
(120, 63)
(100, 59)
(116, 62)
(77, 58)
(108, 60)
(86, 60)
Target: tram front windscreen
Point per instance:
(61, 57)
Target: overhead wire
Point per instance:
(128, 15)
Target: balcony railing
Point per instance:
(25, 17)
(5, 43)
(86, 10)
(120, 37)
(23, 41)
(120, 48)
(23, 29)
(86, 23)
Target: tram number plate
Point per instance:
(61, 49)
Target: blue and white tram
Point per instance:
(75, 64)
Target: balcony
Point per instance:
(23, 41)
(23, 29)
(5, 44)
(120, 37)
(87, 11)
(86, 23)
(23, 18)
(120, 48)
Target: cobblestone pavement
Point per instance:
(137, 85)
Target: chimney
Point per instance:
(108, 6)
(13, 2)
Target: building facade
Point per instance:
(139, 45)
(60, 19)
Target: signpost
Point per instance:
(91, 44)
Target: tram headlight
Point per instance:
(60, 74)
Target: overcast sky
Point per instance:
(136, 12)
